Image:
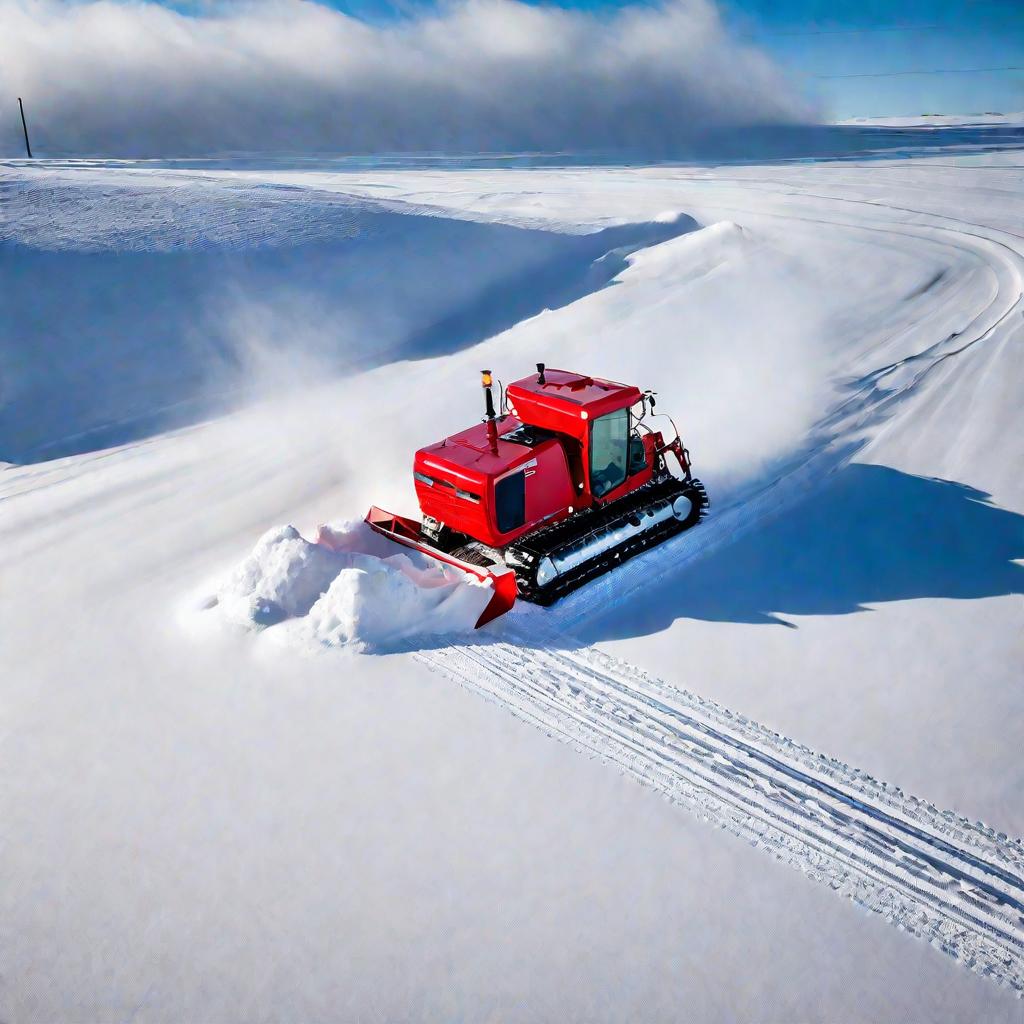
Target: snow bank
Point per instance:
(354, 589)
(702, 251)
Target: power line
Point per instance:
(852, 31)
(929, 71)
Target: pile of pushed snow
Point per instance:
(354, 588)
(282, 578)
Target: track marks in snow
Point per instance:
(958, 885)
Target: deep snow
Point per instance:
(349, 588)
(201, 821)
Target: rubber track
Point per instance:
(535, 547)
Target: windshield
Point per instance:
(609, 447)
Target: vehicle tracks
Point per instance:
(956, 884)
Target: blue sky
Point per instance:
(821, 38)
(866, 38)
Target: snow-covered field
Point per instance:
(203, 821)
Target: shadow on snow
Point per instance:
(872, 534)
(105, 346)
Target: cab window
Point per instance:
(609, 451)
(510, 502)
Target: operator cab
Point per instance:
(568, 442)
(597, 414)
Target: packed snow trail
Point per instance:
(958, 885)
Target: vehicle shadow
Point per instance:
(872, 534)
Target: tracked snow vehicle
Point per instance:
(564, 483)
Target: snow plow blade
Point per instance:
(407, 532)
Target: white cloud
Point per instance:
(140, 79)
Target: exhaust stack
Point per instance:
(492, 428)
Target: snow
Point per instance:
(284, 576)
(940, 120)
(203, 822)
(351, 587)
(373, 604)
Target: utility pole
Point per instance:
(24, 127)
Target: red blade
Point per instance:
(406, 532)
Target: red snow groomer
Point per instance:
(562, 485)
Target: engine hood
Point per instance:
(469, 456)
